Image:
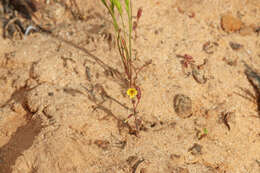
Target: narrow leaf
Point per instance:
(112, 7)
(127, 6)
(118, 6)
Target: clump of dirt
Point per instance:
(230, 23)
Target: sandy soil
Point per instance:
(62, 109)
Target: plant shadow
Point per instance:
(20, 141)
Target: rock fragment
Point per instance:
(182, 105)
(230, 23)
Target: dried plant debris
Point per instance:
(226, 117)
(254, 79)
(25, 7)
(187, 60)
(103, 144)
(121, 144)
(258, 162)
(143, 170)
(13, 28)
(131, 160)
(209, 47)
(182, 105)
(248, 95)
(180, 170)
(235, 46)
(198, 74)
(156, 127)
(134, 162)
(17, 18)
(134, 167)
(195, 149)
(175, 157)
(197, 71)
(22, 17)
(230, 62)
(257, 29)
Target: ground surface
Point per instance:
(54, 116)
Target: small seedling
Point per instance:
(123, 32)
(202, 134)
(205, 131)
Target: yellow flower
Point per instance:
(132, 92)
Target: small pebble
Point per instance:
(198, 75)
(182, 105)
(195, 149)
(235, 46)
(229, 23)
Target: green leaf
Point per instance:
(112, 7)
(205, 131)
(127, 6)
(118, 6)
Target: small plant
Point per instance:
(202, 134)
(123, 32)
(205, 131)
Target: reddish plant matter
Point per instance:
(138, 96)
(139, 14)
(187, 59)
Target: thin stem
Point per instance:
(124, 30)
(130, 39)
